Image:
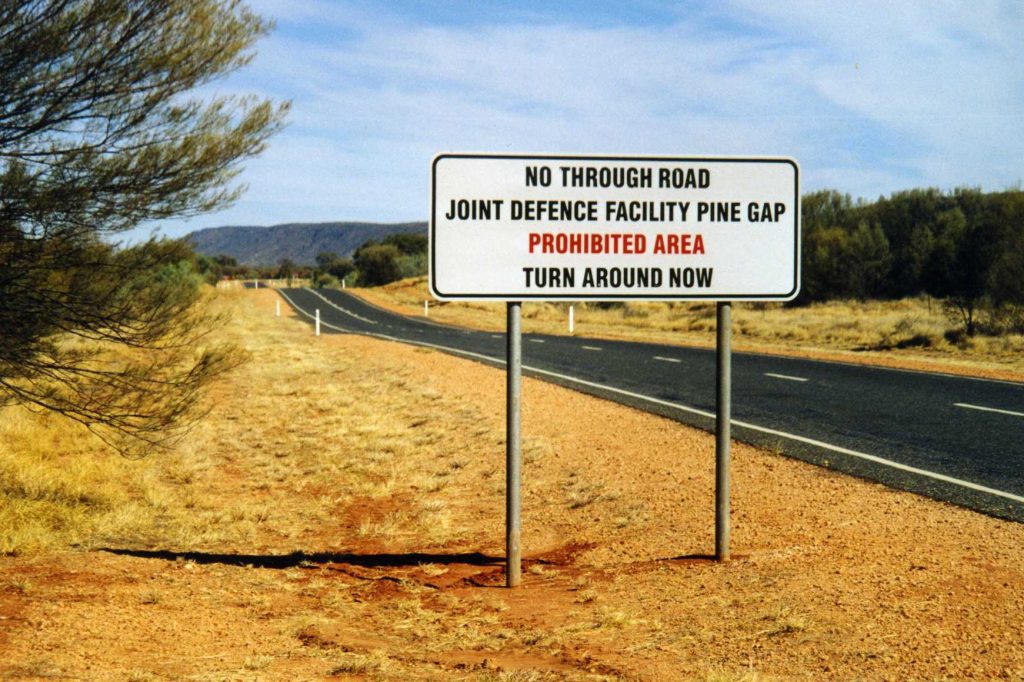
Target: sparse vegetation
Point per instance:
(585, 591)
(257, 662)
(142, 676)
(58, 487)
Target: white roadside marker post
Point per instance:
(426, 309)
(571, 325)
(318, 322)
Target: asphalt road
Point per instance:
(951, 438)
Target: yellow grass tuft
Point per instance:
(784, 620)
(617, 619)
(359, 664)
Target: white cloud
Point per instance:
(945, 76)
(869, 97)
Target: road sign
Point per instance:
(512, 228)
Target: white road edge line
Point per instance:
(902, 370)
(658, 357)
(335, 305)
(322, 323)
(989, 409)
(692, 410)
(536, 340)
(786, 377)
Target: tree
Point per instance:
(285, 269)
(330, 263)
(377, 263)
(409, 243)
(325, 258)
(822, 264)
(867, 261)
(956, 270)
(1007, 284)
(216, 268)
(412, 247)
(825, 208)
(97, 136)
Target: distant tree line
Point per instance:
(374, 263)
(215, 268)
(395, 257)
(965, 247)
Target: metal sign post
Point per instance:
(513, 454)
(723, 413)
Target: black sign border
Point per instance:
(789, 296)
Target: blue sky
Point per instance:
(869, 97)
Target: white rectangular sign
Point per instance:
(506, 227)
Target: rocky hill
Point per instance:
(300, 242)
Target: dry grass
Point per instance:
(338, 441)
(343, 445)
(59, 486)
(321, 452)
(917, 327)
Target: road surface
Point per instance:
(951, 438)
